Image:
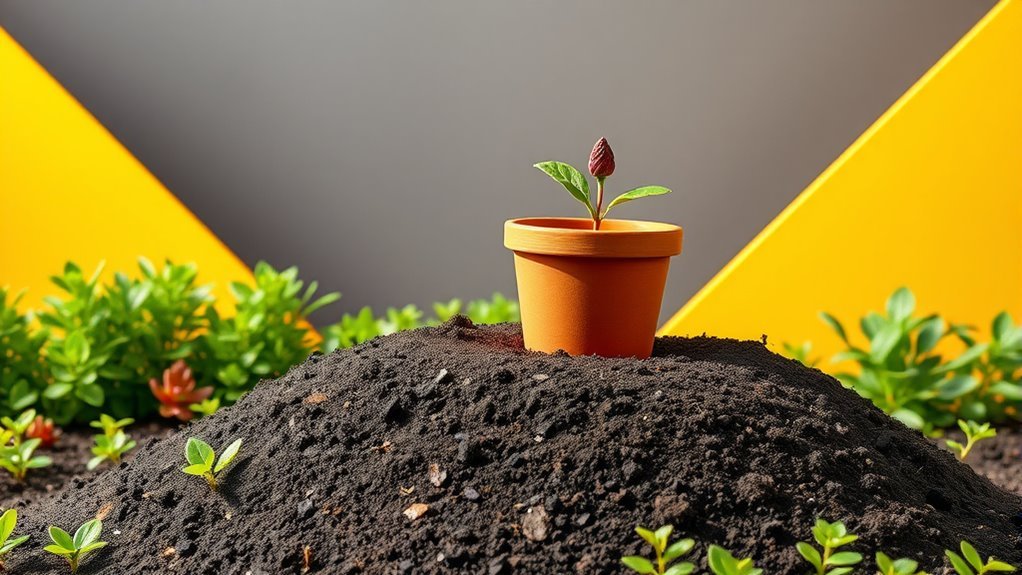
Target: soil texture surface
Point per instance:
(453, 450)
(999, 458)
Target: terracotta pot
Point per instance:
(591, 292)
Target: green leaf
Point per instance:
(839, 571)
(57, 390)
(1010, 391)
(992, 565)
(680, 569)
(835, 325)
(678, 548)
(95, 462)
(662, 535)
(198, 452)
(7, 522)
(955, 387)
(905, 565)
(87, 533)
(58, 550)
(647, 535)
(61, 538)
(92, 547)
(571, 179)
(639, 564)
(76, 348)
(195, 469)
(227, 456)
(967, 357)
(970, 554)
(959, 564)
(844, 558)
(634, 194)
(901, 304)
(91, 394)
(7, 547)
(810, 554)
(883, 343)
(930, 333)
(1002, 326)
(909, 418)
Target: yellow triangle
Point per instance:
(70, 191)
(929, 197)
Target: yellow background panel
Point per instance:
(70, 191)
(929, 197)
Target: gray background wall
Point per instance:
(380, 145)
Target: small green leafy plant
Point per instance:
(665, 555)
(601, 166)
(970, 562)
(8, 521)
(113, 443)
(830, 537)
(22, 370)
(18, 459)
(800, 353)
(900, 371)
(974, 432)
(722, 562)
(201, 459)
(888, 566)
(75, 549)
(267, 335)
(17, 428)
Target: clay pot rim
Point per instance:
(575, 237)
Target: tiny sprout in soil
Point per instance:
(109, 425)
(112, 448)
(665, 555)
(8, 521)
(974, 432)
(19, 458)
(74, 549)
(723, 563)
(970, 563)
(200, 458)
(15, 429)
(601, 166)
(830, 536)
(888, 566)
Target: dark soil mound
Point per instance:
(529, 463)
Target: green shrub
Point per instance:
(21, 369)
(267, 335)
(902, 373)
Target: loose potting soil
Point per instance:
(451, 449)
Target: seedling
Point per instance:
(19, 426)
(18, 459)
(830, 536)
(970, 563)
(206, 407)
(74, 549)
(974, 432)
(665, 555)
(8, 521)
(177, 391)
(601, 166)
(112, 448)
(200, 458)
(888, 566)
(723, 563)
(109, 425)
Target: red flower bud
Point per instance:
(601, 161)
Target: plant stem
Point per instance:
(599, 203)
(211, 481)
(968, 447)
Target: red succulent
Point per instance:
(178, 391)
(42, 428)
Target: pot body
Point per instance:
(591, 292)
